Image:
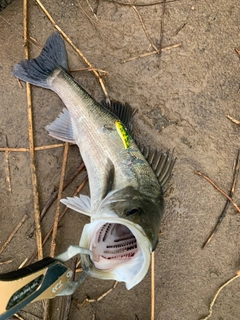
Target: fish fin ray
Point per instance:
(162, 164)
(80, 204)
(36, 71)
(61, 128)
(122, 111)
(109, 178)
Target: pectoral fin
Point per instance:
(80, 204)
(61, 128)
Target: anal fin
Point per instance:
(61, 128)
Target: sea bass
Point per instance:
(126, 185)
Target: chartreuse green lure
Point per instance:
(123, 134)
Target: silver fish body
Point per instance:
(127, 202)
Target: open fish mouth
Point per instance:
(120, 250)
(112, 244)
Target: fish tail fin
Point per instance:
(36, 71)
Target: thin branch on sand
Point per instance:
(52, 146)
(31, 259)
(162, 28)
(220, 190)
(5, 262)
(222, 215)
(56, 217)
(152, 286)
(87, 300)
(15, 230)
(145, 29)
(147, 54)
(53, 197)
(216, 295)
(7, 169)
(233, 120)
(31, 140)
(57, 213)
(140, 4)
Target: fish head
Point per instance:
(121, 236)
(132, 205)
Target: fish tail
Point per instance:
(37, 71)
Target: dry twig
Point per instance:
(221, 217)
(52, 146)
(5, 262)
(145, 29)
(220, 190)
(31, 259)
(238, 51)
(23, 263)
(177, 45)
(217, 293)
(152, 288)
(57, 214)
(87, 300)
(15, 230)
(140, 4)
(180, 28)
(91, 9)
(233, 120)
(31, 140)
(54, 197)
(7, 169)
(7, 149)
(18, 316)
(162, 28)
(56, 218)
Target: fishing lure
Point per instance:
(123, 134)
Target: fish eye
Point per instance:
(133, 211)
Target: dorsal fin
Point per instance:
(161, 162)
(122, 111)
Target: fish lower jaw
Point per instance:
(121, 250)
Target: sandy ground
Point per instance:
(182, 98)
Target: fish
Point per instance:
(127, 181)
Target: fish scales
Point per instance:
(98, 129)
(126, 196)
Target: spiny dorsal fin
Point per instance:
(122, 111)
(161, 162)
